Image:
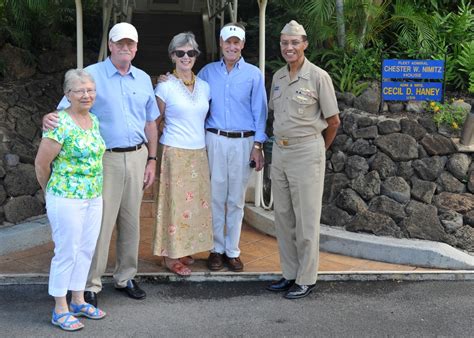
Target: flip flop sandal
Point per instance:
(180, 269)
(68, 322)
(84, 310)
(187, 260)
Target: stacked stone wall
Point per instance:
(22, 105)
(399, 177)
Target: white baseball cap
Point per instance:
(230, 31)
(123, 30)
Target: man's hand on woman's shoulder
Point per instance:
(50, 121)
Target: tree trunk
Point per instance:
(363, 31)
(341, 28)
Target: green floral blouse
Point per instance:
(77, 170)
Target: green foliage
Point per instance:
(274, 65)
(447, 114)
(350, 71)
(413, 29)
(38, 24)
(466, 63)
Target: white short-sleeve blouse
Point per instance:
(185, 113)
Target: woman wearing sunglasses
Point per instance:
(183, 221)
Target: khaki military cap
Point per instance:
(293, 28)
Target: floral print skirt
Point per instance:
(183, 220)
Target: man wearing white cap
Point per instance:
(126, 108)
(306, 118)
(235, 132)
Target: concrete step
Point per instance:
(413, 252)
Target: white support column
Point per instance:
(234, 11)
(262, 4)
(79, 35)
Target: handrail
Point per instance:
(259, 198)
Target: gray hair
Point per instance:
(73, 75)
(181, 40)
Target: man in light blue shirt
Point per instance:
(126, 108)
(235, 132)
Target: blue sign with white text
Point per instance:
(413, 69)
(419, 91)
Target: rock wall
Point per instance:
(22, 105)
(31, 86)
(399, 177)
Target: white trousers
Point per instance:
(230, 172)
(75, 226)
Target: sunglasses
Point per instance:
(191, 53)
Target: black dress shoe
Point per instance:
(299, 291)
(90, 297)
(133, 290)
(281, 285)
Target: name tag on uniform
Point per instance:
(276, 91)
(306, 92)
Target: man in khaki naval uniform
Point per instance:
(306, 121)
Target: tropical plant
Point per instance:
(38, 24)
(447, 114)
(466, 63)
(414, 29)
(350, 71)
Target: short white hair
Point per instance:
(73, 75)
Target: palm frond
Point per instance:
(321, 10)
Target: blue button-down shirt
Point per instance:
(238, 98)
(123, 104)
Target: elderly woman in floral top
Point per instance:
(73, 191)
(183, 222)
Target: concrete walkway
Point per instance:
(378, 258)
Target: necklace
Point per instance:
(186, 83)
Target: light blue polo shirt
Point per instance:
(124, 103)
(238, 98)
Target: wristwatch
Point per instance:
(152, 158)
(258, 146)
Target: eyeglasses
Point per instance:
(191, 53)
(121, 44)
(294, 43)
(83, 92)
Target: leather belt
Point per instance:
(126, 149)
(288, 141)
(231, 134)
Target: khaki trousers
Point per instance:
(297, 184)
(122, 194)
(230, 173)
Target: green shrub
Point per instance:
(447, 114)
